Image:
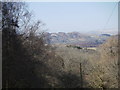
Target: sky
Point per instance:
(75, 16)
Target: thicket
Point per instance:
(27, 60)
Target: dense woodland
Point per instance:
(30, 62)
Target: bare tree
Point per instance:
(18, 64)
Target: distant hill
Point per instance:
(105, 35)
(107, 31)
(76, 38)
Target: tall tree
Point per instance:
(18, 64)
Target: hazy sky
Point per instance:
(78, 16)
